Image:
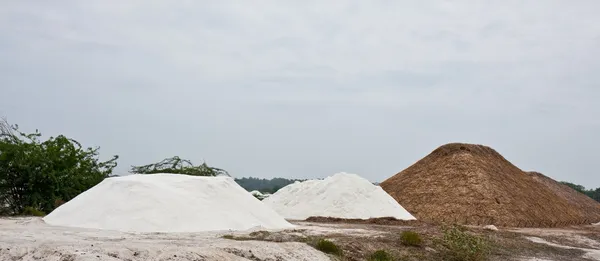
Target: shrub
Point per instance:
(461, 246)
(30, 211)
(58, 203)
(177, 165)
(328, 247)
(410, 238)
(380, 255)
(40, 173)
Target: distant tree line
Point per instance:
(592, 193)
(264, 185)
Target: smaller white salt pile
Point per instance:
(166, 203)
(259, 195)
(342, 195)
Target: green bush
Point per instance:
(410, 238)
(461, 246)
(328, 247)
(380, 255)
(29, 211)
(42, 174)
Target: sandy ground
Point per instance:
(31, 239)
(593, 254)
(583, 239)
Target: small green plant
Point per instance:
(380, 255)
(30, 211)
(328, 247)
(410, 238)
(260, 234)
(461, 246)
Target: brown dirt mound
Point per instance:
(475, 185)
(584, 203)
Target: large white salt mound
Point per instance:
(342, 195)
(166, 203)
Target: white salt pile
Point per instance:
(341, 195)
(166, 203)
(259, 195)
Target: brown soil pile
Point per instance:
(475, 185)
(587, 205)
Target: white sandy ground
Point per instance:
(314, 229)
(573, 237)
(593, 254)
(31, 239)
(166, 203)
(342, 195)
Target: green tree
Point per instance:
(575, 187)
(44, 174)
(176, 165)
(595, 194)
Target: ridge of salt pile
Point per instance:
(342, 195)
(166, 203)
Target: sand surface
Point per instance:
(592, 254)
(31, 239)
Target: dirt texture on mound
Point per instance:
(587, 205)
(474, 185)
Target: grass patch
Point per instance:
(380, 255)
(260, 234)
(242, 238)
(459, 245)
(328, 247)
(410, 238)
(257, 235)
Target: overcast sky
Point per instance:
(305, 89)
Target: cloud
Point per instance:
(308, 88)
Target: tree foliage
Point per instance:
(264, 185)
(41, 175)
(176, 165)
